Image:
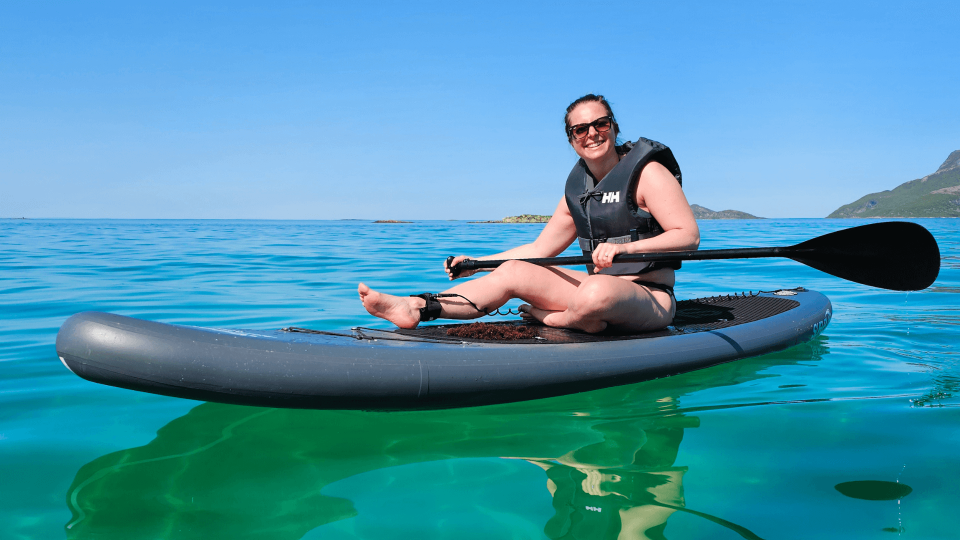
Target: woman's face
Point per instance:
(596, 144)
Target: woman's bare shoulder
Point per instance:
(655, 179)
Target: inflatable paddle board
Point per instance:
(427, 367)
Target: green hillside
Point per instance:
(936, 195)
(700, 212)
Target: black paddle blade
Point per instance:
(895, 255)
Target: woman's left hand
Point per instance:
(604, 254)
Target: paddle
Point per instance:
(895, 255)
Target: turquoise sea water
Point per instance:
(751, 449)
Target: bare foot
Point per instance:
(561, 319)
(530, 313)
(400, 310)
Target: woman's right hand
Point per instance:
(456, 260)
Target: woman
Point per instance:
(624, 199)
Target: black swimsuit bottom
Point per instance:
(658, 286)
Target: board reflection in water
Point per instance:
(609, 462)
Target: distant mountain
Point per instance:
(700, 212)
(935, 195)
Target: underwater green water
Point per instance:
(853, 435)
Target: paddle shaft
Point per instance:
(712, 254)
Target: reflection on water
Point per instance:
(874, 490)
(609, 461)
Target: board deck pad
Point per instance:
(696, 315)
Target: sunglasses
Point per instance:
(579, 131)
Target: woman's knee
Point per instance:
(512, 271)
(511, 266)
(593, 297)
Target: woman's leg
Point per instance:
(548, 289)
(602, 301)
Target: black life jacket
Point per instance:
(607, 211)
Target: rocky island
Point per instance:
(934, 195)
(700, 212)
(523, 218)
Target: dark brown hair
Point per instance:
(590, 97)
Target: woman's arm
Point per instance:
(659, 193)
(559, 233)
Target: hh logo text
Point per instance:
(610, 197)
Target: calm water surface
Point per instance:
(751, 449)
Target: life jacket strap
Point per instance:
(588, 245)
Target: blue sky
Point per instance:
(446, 110)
